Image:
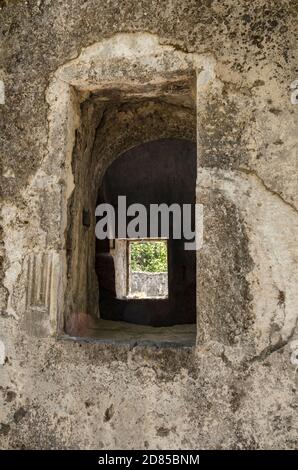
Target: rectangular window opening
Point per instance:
(147, 269)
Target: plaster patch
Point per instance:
(2, 353)
(2, 92)
(8, 173)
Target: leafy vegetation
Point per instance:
(148, 256)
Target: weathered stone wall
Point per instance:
(238, 387)
(149, 284)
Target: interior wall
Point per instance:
(162, 171)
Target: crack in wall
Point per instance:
(272, 191)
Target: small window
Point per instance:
(148, 269)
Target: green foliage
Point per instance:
(148, 256)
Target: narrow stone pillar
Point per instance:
(43, 294)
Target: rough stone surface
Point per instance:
(238, 387)
(149, 284)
